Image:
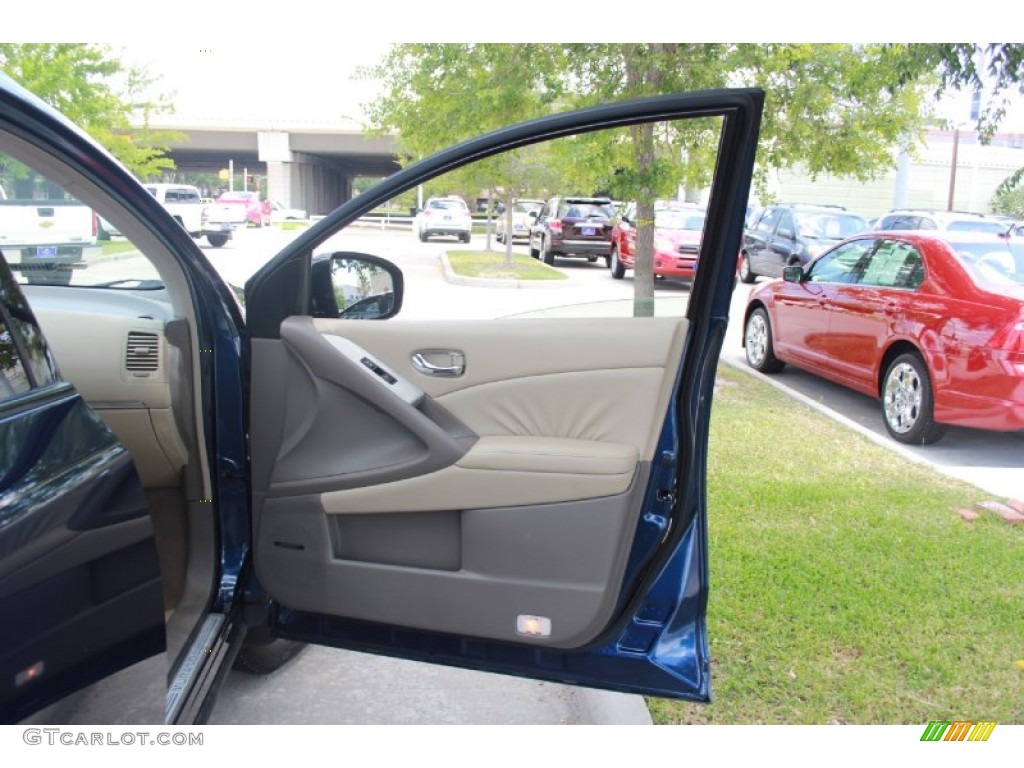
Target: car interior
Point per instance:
(121, 329)
(478, 478)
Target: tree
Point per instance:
(828, 108)
(991, 70)
(436, 95)
(647, 165)
(91, 87)
(1008, 199)
(833, 108)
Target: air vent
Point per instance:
(142, 354)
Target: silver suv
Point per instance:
(947, 221)
(447, 216)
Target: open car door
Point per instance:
(517, 495)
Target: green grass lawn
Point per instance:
(492, 264)
(843, 587)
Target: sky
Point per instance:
(295, 61)
(246, 81)
(289, 82)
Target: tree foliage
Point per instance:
(95, 90)
(993, 70)
(439, 94)
(831, 108)
(1008, 199)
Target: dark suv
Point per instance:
(790, 234)
(573, 226)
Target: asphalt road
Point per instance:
(332, 686)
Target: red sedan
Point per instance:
(933, 325)
(677, 235)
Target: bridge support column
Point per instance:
(275, 150)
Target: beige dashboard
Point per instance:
(114, 350)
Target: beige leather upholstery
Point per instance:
(502, 472)
(518, 382)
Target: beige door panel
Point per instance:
(464, 502)
(502, 472)
(606, 379)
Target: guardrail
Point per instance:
(398, 221)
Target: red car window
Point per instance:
(891, 265)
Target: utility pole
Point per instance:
(952, 170)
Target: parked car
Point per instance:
(184, 203)
(793, 234)
(194, 487)
(43, 228)
(280, 212)
(573, 226)
(446, 216)
(677, 234)
(932, 324)
(521, 219)
(248, 207)
(945, 221)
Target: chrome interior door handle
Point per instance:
(456, 362)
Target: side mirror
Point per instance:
(356, 286)
(793, 274)
(533, 215)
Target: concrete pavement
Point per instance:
(327, 686)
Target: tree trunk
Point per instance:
(509, 262)
(643, 272)
(490, 217)
(643, 75)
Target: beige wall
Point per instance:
(980, 169)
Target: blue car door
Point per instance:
(80, 585)
(519, 495)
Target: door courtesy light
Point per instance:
(29, 674)
(533, 626)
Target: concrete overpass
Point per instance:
(306, 166)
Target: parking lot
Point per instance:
(993, 461)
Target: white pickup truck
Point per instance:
(44, 233)
(185, 204)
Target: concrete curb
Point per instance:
(494, 282)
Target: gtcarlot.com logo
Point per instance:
(958, 730)
(69, 737)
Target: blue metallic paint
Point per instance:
(78, 564)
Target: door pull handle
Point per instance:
(456, 367)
